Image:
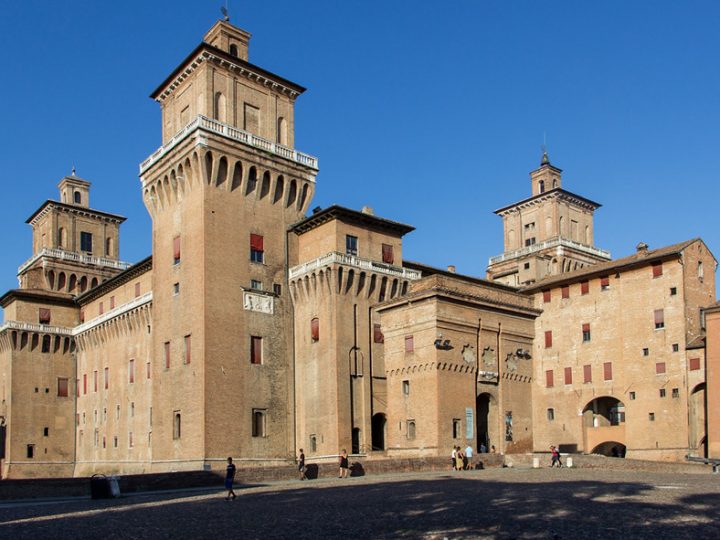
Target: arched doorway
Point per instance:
(482, 406)
(697, 420)
(610, 449)
(604, 411)
(379, 425)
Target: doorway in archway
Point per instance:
(482, 406)
(379, 425)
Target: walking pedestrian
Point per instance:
(468, 457)
(301, 465)
(344, 465)
(453, 456)
(459, 459)
(229, 479)
(555, 457)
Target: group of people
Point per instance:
(344, 465)
(461, 460)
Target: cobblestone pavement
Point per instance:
(503, 504)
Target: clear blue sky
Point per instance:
(431, 112)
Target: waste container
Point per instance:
(100, 487)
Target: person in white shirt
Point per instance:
(469, 455)
(453, 455)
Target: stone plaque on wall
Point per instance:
(258, 302)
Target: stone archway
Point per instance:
(697, 420)
(610, 449)
(483, 405)
(603, 422)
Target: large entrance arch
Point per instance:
(379, 427)
(697, 420)
(604, 426)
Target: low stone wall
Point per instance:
(592, 461)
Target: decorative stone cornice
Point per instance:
(120, 310)
(558, 244)
(554, 194)
(37, 328)
(356, 262)
(71, 256)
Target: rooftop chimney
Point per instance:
(451, 268)
(642, 248)
(368, 210)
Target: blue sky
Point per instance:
(431, 112)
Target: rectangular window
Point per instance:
(604, 283)
(548, 339)
(694, 364)
(131, 371)
(586, 332)
(547, 296)
(30, 451)
(651, 416)
(676, 347)
(568, 375)
(101, 308)
(660, 368)
(584, 287)
(351, 245)
(456, 428)
(107, 377)
(378, 336)
(406, 388)
(166, 348)
(176, 250)
(315, 329)
(186, 352)
(62, 387)
(587, 373)
(662, 392)
(607, 371)
(659, 319)
(258, 422)
(673, 291)
(256, 285)
(632, 396)
(176, 289)
(530, 241)
(409, 344)
(130, 439)
(676, 392)
(85, 241)
(657, 269)
(551, 414)
(277, 288)
(177, 425)
(256, 347)
(257, 248)
(95, 381)
(549, 379)
(147, 369)
(112, 302)
(566, 291)
(646, 352)
(44, 316)
(84, 384)
(137, 290)
(411, 430)
(387, 254)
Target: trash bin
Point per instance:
(100, 487)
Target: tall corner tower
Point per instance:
(222, 191)
(547, 234)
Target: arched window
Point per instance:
(282, 131)
(77, 197)
(411, 429)
(177, 425)
(61, 237)
(542, 186)
(109, 247)
(233, 50)
(219, 107)
(701, 271)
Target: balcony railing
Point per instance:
(213, 126)
(351, 260)
(39, 328)
(551, 243)
(72, 256)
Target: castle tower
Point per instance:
(547, 234)
(74, 247)
(222, 190)
(349, 262)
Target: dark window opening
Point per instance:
(351, 245)
(85, 241)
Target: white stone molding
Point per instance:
(119, 310)
(54, 253)
(558, 243)
(262, 303)
(37, 328)
(353, 261)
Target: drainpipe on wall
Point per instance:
(500, 401)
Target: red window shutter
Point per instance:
(587, 373)
(604, 282)
(568, 375)
(315, 329)
(409, 344)
(107, 378)
(549, 382)
(101, 308)
(176, 248)
(548, 339)
(607, 371)
(659, 317)
(584, 287)
(660, 368)
(137, 290)
(95, 381)
(84, 384)
(148, 369)
(387, 254)
(256, 350)
(585, 327)
(112, 302)
(44, 316)
(694, 364)
(131, 371)
(566, 291)
(62, 387)
(378, 336)
(256, 242)
(547, 296)
(82, 315)
(187, 349)
(167, 355)
(657, 269)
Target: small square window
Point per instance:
(651, 416)
(676, 392)
(256, 284)
(646, 352)
(585, 333)
(277, 288)
(632, 396)
(176, 289)
(551, 414)
(676, 347)
(673, 291)
(662, 392)
(604, 283)
(406, 388)
(526, 266)
(351, 245)
(660, 368)
(46, 432)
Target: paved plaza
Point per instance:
(500, 503)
